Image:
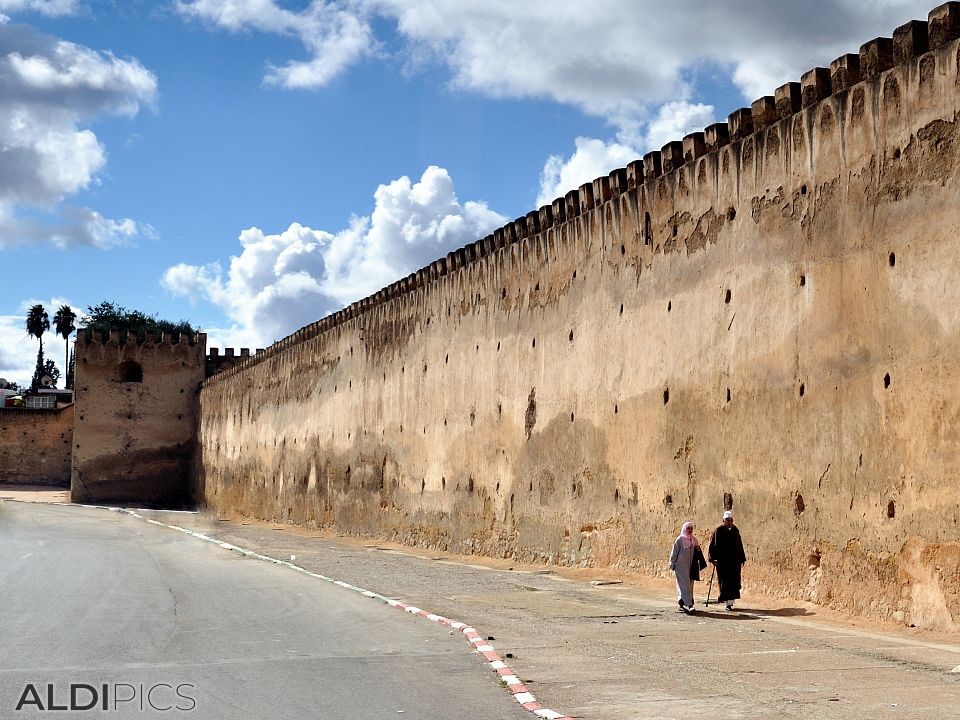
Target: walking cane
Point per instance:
(710, 586)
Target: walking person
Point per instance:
(726, 553)
(686, 565)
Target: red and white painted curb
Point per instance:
(507, 676)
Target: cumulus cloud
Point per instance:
(280, 282)
(50, 8)
(591, 159)
(49, 89)
(334, 35)
(619, 61)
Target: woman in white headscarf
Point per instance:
(686, 565)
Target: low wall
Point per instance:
(763, 317)
(35, 446)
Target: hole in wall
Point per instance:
(446, 360)
(443, 483)
(668, 499)
(503, 293)
(534, 343)
(896, 154)
(621, 308)
(498, 346)
(616, 495)
(727, 297)
(813, 560)
(892, 259)
(891, 509)
(803, 189)
(666, 396)
(803, 389)
(727, 501)
(423, 484)
(886, 380)
(571, 417)
(470, 484)
(616, 409)
(623, 250)
(574, 274)
(728, 394)
(731, 214)
(129, 372)
(803, 280)
(647, 229)
(570, 336)
(798, 506)
(669, 305)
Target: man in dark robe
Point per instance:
(726, 553)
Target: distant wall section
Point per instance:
(35, 446)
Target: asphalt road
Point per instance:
(101, 599)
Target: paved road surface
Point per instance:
(92, 597)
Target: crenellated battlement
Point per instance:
(908, 44)
(119, 338)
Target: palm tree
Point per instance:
(38, 322)
(63, 323)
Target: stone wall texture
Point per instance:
(35, 446)
(765, 316)
(136, 418)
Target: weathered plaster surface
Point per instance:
(35, 446)
(134, 441)
(781, 336)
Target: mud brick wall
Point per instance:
(763, 316)
(35, 446)
(136, 418)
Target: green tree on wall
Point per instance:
(38, 322)
(109, 316)
(63, 324)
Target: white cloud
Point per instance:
(674, 120)
(48, 90)
(281, 282)
(615, 60)
(335, 35)
(590, 160)
(50, 8)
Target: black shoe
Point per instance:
(680, 603)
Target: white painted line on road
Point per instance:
(510, 679)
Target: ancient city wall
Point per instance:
(35, 446)
(136, 417)
(765, 316)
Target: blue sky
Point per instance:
(252, 165)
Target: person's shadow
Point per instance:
(743, 613)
